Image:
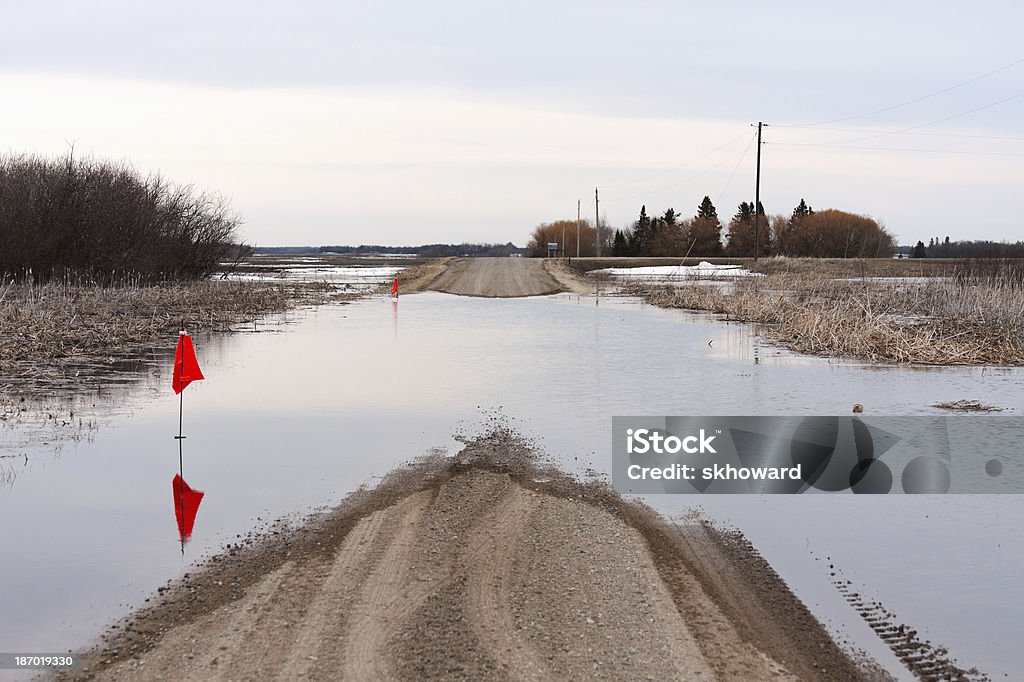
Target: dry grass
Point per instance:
(49, 333)
(939, 321)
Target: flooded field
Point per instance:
(292, 419)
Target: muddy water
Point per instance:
(294, 419)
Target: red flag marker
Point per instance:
(186, 506)
(186, 367)
(394, 288)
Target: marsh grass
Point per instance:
(976, 319)
(51, 334)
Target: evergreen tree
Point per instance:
(640, 238)
(644, 221)
(791, 238)
(706, 231)
(742, 235)
(619, 245)
(919, 251)
(671, 236)
(801, 211)
(744, 213)
(706, 210)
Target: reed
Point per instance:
(50, 332)
(939, 321)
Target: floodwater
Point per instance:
(291, 420)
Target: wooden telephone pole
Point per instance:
(757, 190)
(597, 225)
(577, 228)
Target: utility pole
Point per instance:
(577, 228)
(597, 225)
(563, 239)
(757, 190)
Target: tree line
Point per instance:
(967, 249)
(804, 233)
(105, 222)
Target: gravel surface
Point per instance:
(496, 277)
(483, 566)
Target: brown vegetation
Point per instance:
(825, 234)
(833, 234)
(942, 321)
(50, 333)
(104, 222)
(566, 230)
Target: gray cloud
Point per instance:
(793, 61)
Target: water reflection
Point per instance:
(291, 421)
(186, 506)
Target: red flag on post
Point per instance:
(394, 288)
(186, 506)
(186, 367)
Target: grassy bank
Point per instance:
(52, 335)
(941, 321)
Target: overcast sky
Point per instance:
(414, 122)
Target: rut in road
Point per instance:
(486, 565)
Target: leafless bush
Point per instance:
(100, 221)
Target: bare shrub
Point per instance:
(100, 221)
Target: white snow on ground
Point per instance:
(702, 270)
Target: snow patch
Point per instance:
(702, 270)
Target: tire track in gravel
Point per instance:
(328, 614)
(389, 595)
(499, 537)
(485, 568)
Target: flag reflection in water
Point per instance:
(186, 500)
(186, 506)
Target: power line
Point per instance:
(919, 99)
(948, 118)
(931, 123)
(892, 149)
(679, 182)
(718, 200)
(674, 168)
(897, 132)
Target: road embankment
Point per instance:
(481, 566)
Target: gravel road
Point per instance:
(496, 277)
(480, 567)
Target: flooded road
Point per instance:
(293, 419)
